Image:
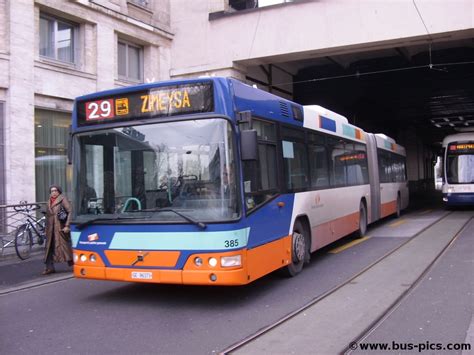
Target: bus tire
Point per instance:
(362, 220)
(299, 250)
(398, 212)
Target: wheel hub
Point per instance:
(298, 246)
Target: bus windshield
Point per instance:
(151, 171)
(460, 164)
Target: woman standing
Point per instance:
(58, 234)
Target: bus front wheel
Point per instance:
(299, 250)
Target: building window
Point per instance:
(143, 3)
(51, 135)
(57, 39)
(130, 61)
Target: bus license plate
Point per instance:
(142, 275)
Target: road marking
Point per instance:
(348, 245)
(396, 224)
(424, 212)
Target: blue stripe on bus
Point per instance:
(348, 131)
(180, 240)
(271, 222)
(328, 124)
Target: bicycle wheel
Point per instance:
(23, 242)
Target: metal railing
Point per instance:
(11, 217)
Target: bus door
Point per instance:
(374, 179)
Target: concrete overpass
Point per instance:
(400, 67)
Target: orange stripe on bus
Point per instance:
(386, 209)
(331, 231)
(268, 257)
(150, 258)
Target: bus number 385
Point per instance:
(231, 243)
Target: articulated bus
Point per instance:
(458, 171)
(213, 182)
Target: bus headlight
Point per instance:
(212, 262)
(76, 257)
(230, 261)
(450, 190)
(198, 261)
(92, 258)
(83, 258)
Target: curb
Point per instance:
(11, 255)
(36, 283)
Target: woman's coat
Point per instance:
(62, 241)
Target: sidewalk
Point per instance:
(16, 273)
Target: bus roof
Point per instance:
(324, 120)
(388, 143)
(238, 96)
(458, 137)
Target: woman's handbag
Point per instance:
(62, 214)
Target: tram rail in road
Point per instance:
(247, 343)
(367, 332)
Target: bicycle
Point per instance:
(24, 234)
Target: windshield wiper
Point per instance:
(186, 217)
(100, 219)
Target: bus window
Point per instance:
(295, 159)
(296, 166)
(260, 177)
(384, 166)
(180, 165)
(361, 151)
(318, 163)
(337, 166)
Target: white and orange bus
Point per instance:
(211, 181)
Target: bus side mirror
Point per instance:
(248, 144)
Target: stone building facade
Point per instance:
(52, 51)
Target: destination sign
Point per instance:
(156, 102)
(461, 148)
(352, 157)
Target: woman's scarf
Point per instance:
(51, 200)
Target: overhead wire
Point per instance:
(359, 74)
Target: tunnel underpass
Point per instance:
(415, 94)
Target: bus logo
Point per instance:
(92, 237)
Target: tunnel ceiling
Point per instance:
(394, 89)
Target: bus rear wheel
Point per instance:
(299, 250)
(398, 212)
(362, 220)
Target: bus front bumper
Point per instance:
(241, 267)
(188, 277)
(459, 199)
